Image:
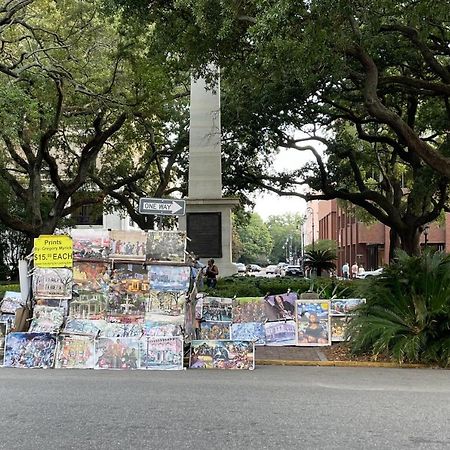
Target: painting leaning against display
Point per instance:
(52, 283)
(249, 331)
(161, 353)
(75, 352)
(313, 322)
(282, 332)
(166, 246)
(169, 278)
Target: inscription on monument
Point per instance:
(205, 233)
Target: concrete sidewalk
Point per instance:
(289, 354)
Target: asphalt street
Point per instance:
(270, 407)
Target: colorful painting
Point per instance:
(153, 328)
(217, 309)
(222, 355)
(30, 350)
(249, 309)
(4, 329)
(46, 319)
(166, 246)
(161, 353)
(129, 290)
(214, 330)
(169, 278)
(90, 243)
(75, 352)
(116, 329)
(52, 283)
(11, 301)
(249, 331)
(117, 353)
(338, 327)
(165, 303)
(281, 333)
(345, 306)
(91, 276)
(281, 306)
(313, 322)
(84, 326)
(54, 303)
(128, 245)
(89, 305)
(199, 306)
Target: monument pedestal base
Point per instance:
(208, 224)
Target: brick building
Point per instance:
(368, 245)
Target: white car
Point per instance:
(271, 269)
(240, 267)
(369, 273)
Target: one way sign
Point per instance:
(162, 207)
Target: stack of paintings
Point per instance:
(249, 317)
(313, 322)
(341, 313)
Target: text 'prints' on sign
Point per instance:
(53, 251)
(162, 207)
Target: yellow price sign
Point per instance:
(53, 251)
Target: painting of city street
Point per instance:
(313, 322)
(30, 350)
(75, 352)
(128, 245)
(249, 331)
(52, 283)
(249, 309)
(46, 319)
(165, 303)
(281, 306)
(222, 355)
(161, 353)
(283, 332)
(169, 278)
(117, 353)
(217, 309)
(90, 243)
(166, 246)
(214, 330)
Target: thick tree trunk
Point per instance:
(410, 241)
(394, 243)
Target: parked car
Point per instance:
(240, 267)
(271, 269)
(370, 273)
(294, 271)
(253, 268)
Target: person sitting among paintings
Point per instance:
(211, 273)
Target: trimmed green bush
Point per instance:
(407, 315)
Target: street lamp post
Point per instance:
(310, 211)
(426, 230)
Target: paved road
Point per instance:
(270, 407)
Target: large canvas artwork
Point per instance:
(128, 245)
(345, 306)
(281, 306)
(214, 330)
(249, 309)
(52, 283)
(166, 246)
(281, 333)
(84, 326)
(90, 243)
(117, 353)
(313, 322)
(46, 319)
(75, 352)
(161, 353)
(222, 355)
(169, 278)
(11, 301)
(249, 331)
(30, 350)
(217, 309)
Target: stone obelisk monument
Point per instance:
(208, 214)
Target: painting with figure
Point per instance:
(11, 301)
(281, 306)
(90, 243)
(217, 309)
(206, 354)
(128, 290)
(249, 309)
(214, 330)
(84, 326)
(166, 246)
(30, 350)
(128, 245)
(345, 306)
(283, 332)
(117, 353)
(74, 352)
(89, 276)
(313, 322)
(46, 319)
(159, 353)
(169, 278)
(52, 283)
(249, 331)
